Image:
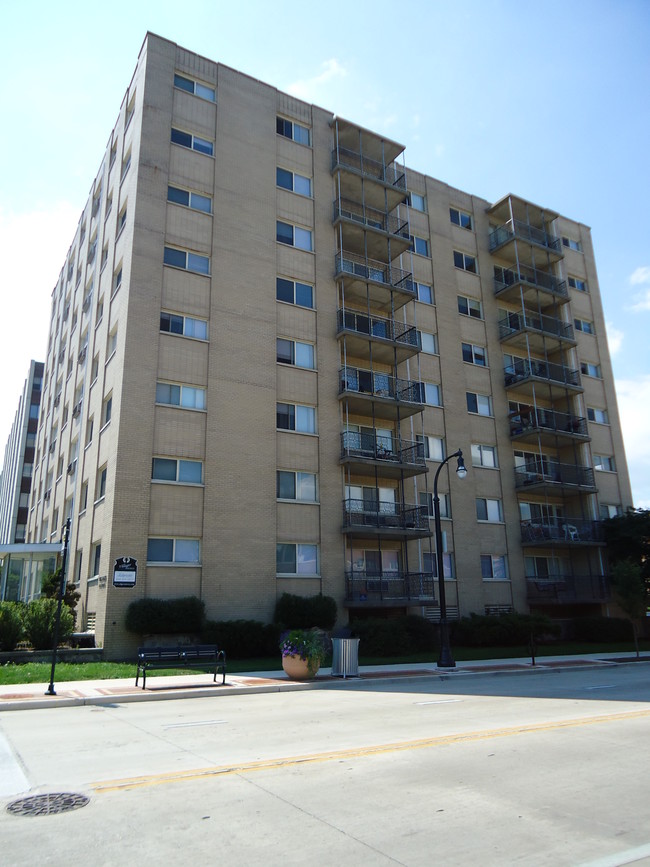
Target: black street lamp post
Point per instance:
(64, 556)
(445, 660)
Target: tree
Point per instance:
(628, 551)
(631, 593)
(50, 584)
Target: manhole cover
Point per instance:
(46, 805)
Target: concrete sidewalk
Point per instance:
(106, 692)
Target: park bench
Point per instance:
(183, 656)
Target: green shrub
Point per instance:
(11, 624)
(305, 612)
(505, 630)
(605, 629)
(50, 586)
(242, 639)
(395, 637)
(39, 618)
(156, 616)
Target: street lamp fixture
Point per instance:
(445, 660)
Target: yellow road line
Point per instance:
(355, 752)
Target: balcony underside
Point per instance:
(519, 248)
(392, 467)
(405, 522)
(541, 483)
(380, 407)
(370, 591)
(384, 286)
(362, 186)
(372, 239)
(568, 589)
(537, 339)
(547, 427)
(383, 349)
(530, 286)
(528, 385)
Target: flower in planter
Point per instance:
(306, 644)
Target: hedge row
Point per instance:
(33, 623)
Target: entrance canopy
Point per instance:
(22, 566)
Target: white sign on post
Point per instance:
(125, 572)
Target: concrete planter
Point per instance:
(300, 669)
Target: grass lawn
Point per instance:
(39, 672)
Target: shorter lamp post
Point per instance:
(445, 660)
(64, 557)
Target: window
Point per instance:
(104, 258)
(186, 326)
(107, 409)
(460, 218)
(604, 463)
(424, 293)
(426, 502)
(294, 131)
(173, 551)
(195, 87)
(577, 283)
(294, 292)
(191, 200)
(121, 222)
(100, 487)
(99, 313)
(433, 448)
(429, 343)
(417, 202)
(465, 261)
(193, 142)
(430, 394)
(291, 559)
(113, 155)
(294, 236)
(542, 568)
(494, 567)
(83, 500)
(484, 456)
(479, 403)
(584, 325)
(419, 246)
(173, 470)
(185, 396)
(597, 415)
(489, 510)
(292, 181)
(295, 352)
(572, 244)
(589, 369)
(94, 369)
(126, 162)
(186, 260)
(470, 307)
(129, 111)
(295, 417)
(296, 486)
(430, 564)
(608, 510)
(474, 354)
(97, 556)
(117, 279)
(111, 345)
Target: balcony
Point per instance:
(388, 179)
(522, 375)
(390, 339)
(362, 452)
(546, 425)
(568, 589)
(385, 285)
(391, 397)
(544, 476)
(561, 532)
(369, 589)
(511, 283)
(368, 230)
(536, 331)
(503, 239)
(390, 519)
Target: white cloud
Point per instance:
(640, 276)
(641, 301)
(305, 88)
(634, 407)
(614, 338)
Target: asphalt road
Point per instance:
(532, 769)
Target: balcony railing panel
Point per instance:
(524, 368)
(379, 385)
(515, 323)
(545, 471)
(390, 174)
(568, 589)
(531, 277)
(546, 419)
(375, 271)
(561, 531)
(384, 515)
(379, 447)
(371, 587)
(525, 232)
(371, 217)
(378, 326)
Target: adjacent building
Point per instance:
(267, 334)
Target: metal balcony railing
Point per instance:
(561, 589)
(561, 530)
(372, 587)
(546, 419)
(525, 232)
(378, 326)
(372, 269)
(550, 472)
(370, 217)
(515, 323)
(380, 385)
(524, 368)
(505, 277)
(387, 515)
(390, 174)
(379, 447)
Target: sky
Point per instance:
(550, 102)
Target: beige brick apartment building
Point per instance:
(267, 334)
